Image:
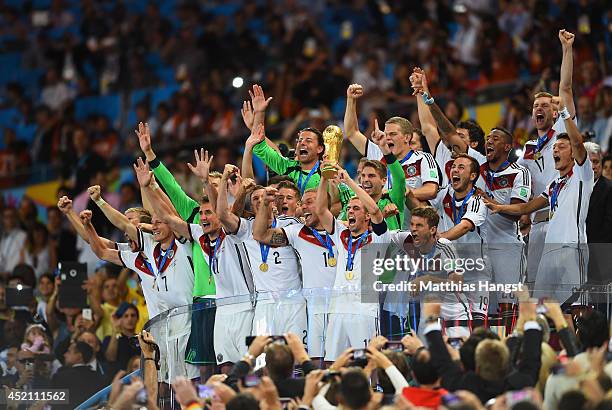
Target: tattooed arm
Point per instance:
(262, 232)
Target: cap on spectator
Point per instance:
(25, 273)
(122, 309)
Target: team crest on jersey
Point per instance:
(411, 171)
(171, 253)
(219, 358)
(503, 182)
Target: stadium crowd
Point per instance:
(268, 242)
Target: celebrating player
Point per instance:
(318, 255)
(564, 261)
(275, 269)
(538, 153)
(351, 323)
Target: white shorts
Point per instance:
(231, 330)
(315, 337)
(346, 330)
(280, 318)
(537, 237)
(508, 267)
(562, 271)
(172, 337)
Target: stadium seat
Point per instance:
(9, 117)
(26, 132)
(109, 105)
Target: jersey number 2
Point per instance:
(277, 260)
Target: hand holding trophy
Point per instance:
(332, 138)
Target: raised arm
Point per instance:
(201, 169)
(257, 136)
(370, 205)
(154, 195)
(65, 206)
(322, 206)
(97, 246)
(351, 122)
(119, 220)
(261, 231)
(229, 221)
(578, 151)
(522, 208)
(428, 124)
(448, 132)
(567, 67)
(240, 198)
(185, 206)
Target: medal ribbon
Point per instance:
(544, 139)
(327, 243)
(352, 252)
(406, 158)
(212, 261)
(458, 213)
(556, 190)
(301, 187)
(491, 175)
(160, 266)
(265, 249)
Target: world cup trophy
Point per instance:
(332, 139)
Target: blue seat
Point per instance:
(163, 94)
(26, 132)
(108, 105)
(166, 75)
(9, 117)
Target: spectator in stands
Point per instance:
(37, 252)
(83, 164)
(46, 144)
(62, 241)
(28, 214)
(130, 197)
(46, 286)
(429, 392)
(77, 372)
(607, 168)
(97, 362)
(12, 241)
(111, 300)
(118, 348)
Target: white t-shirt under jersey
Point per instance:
(230, 270)
(568, 221)
(283, 272)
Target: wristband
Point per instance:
(100, 201)
(564, 113)
(427, 99)
(154, 185)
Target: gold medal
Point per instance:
(331, 261)
(537, 155)
(263, 267)
(349, 275)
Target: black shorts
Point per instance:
(200, 348)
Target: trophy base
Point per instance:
(329, 172)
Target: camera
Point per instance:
(394, 346)
(330, 375)
(359, 358)
(251, 380)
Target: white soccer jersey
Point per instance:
(136, 262)
(512, 181)
(419, 167)
(540, 163)
(226, 262)
(474, 211)
(123, 246)
(350, 303)
(571, 195)
(173, 269)
(283, 270)
(314, 256)
(444, 159)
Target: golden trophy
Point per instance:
(332, 138)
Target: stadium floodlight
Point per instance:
(237, 82)
(19, 286)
